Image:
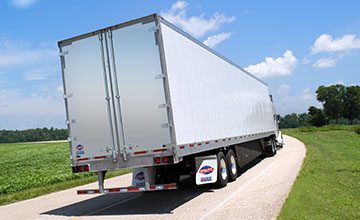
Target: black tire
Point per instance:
(232, 165)
(222, 171)
(272, 149)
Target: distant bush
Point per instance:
(329, 128)
(31, 135)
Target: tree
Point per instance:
(289, 121)
(317, 116)
(304, 119)
(35, 134)
(351, 108)
(332, 99)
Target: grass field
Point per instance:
(328, 186)
(28, 170)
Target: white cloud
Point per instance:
(42, 73)
(16, 54)
(274, 66)
(340, 82)
(298, 102)
(326, 43)
(213, 40)
(196, 26)
(325, 63)
(335, 49)
(307, 94)
(16, 103)
(283, 90)
(23, 3)
(19, 110)
(39, 103)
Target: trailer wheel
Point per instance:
(231, 163)
(272, 149)
(222, 174)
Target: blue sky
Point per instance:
(293, 46)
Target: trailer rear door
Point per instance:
(114, 91)
(86, 99)
(142, 96)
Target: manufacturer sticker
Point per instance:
(79, 150)
(206, 170)
(205, 179)
(140, 176)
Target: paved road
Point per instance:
(257, 194)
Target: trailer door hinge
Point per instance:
(164, 105)
(72, 121)
(63, 53)
(160, 76)
(71, 139)
(110, 33)
(165, 125)
(66, 96)
(153, 29)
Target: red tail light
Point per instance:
(157, 160)
(165, 159)
(81, 168)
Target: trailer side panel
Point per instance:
(211, 98)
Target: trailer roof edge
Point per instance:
(68, 41)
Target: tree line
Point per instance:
(340, 105)
(35, 134)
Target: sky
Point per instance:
(293, 46)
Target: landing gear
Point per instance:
(101, 178)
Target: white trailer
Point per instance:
(145, 95)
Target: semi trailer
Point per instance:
(146, 95)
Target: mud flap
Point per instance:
(206, 169)
(143, 177)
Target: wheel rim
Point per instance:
(233, 165)
(223, 169)
(273, 147)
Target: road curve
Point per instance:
(258, 193)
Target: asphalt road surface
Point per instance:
(258, 193)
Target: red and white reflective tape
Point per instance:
(82, 159)
(129, 189)
(160, 150)
(140, 152)
(228, 139)
(95, 158)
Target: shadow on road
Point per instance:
(159, 202)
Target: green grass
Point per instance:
(328, 185)
(28, 170)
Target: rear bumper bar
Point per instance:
(129, 189)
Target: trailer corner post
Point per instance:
(164, 77)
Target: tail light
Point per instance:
(165, 159)
(81, 168)
(157, 160)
